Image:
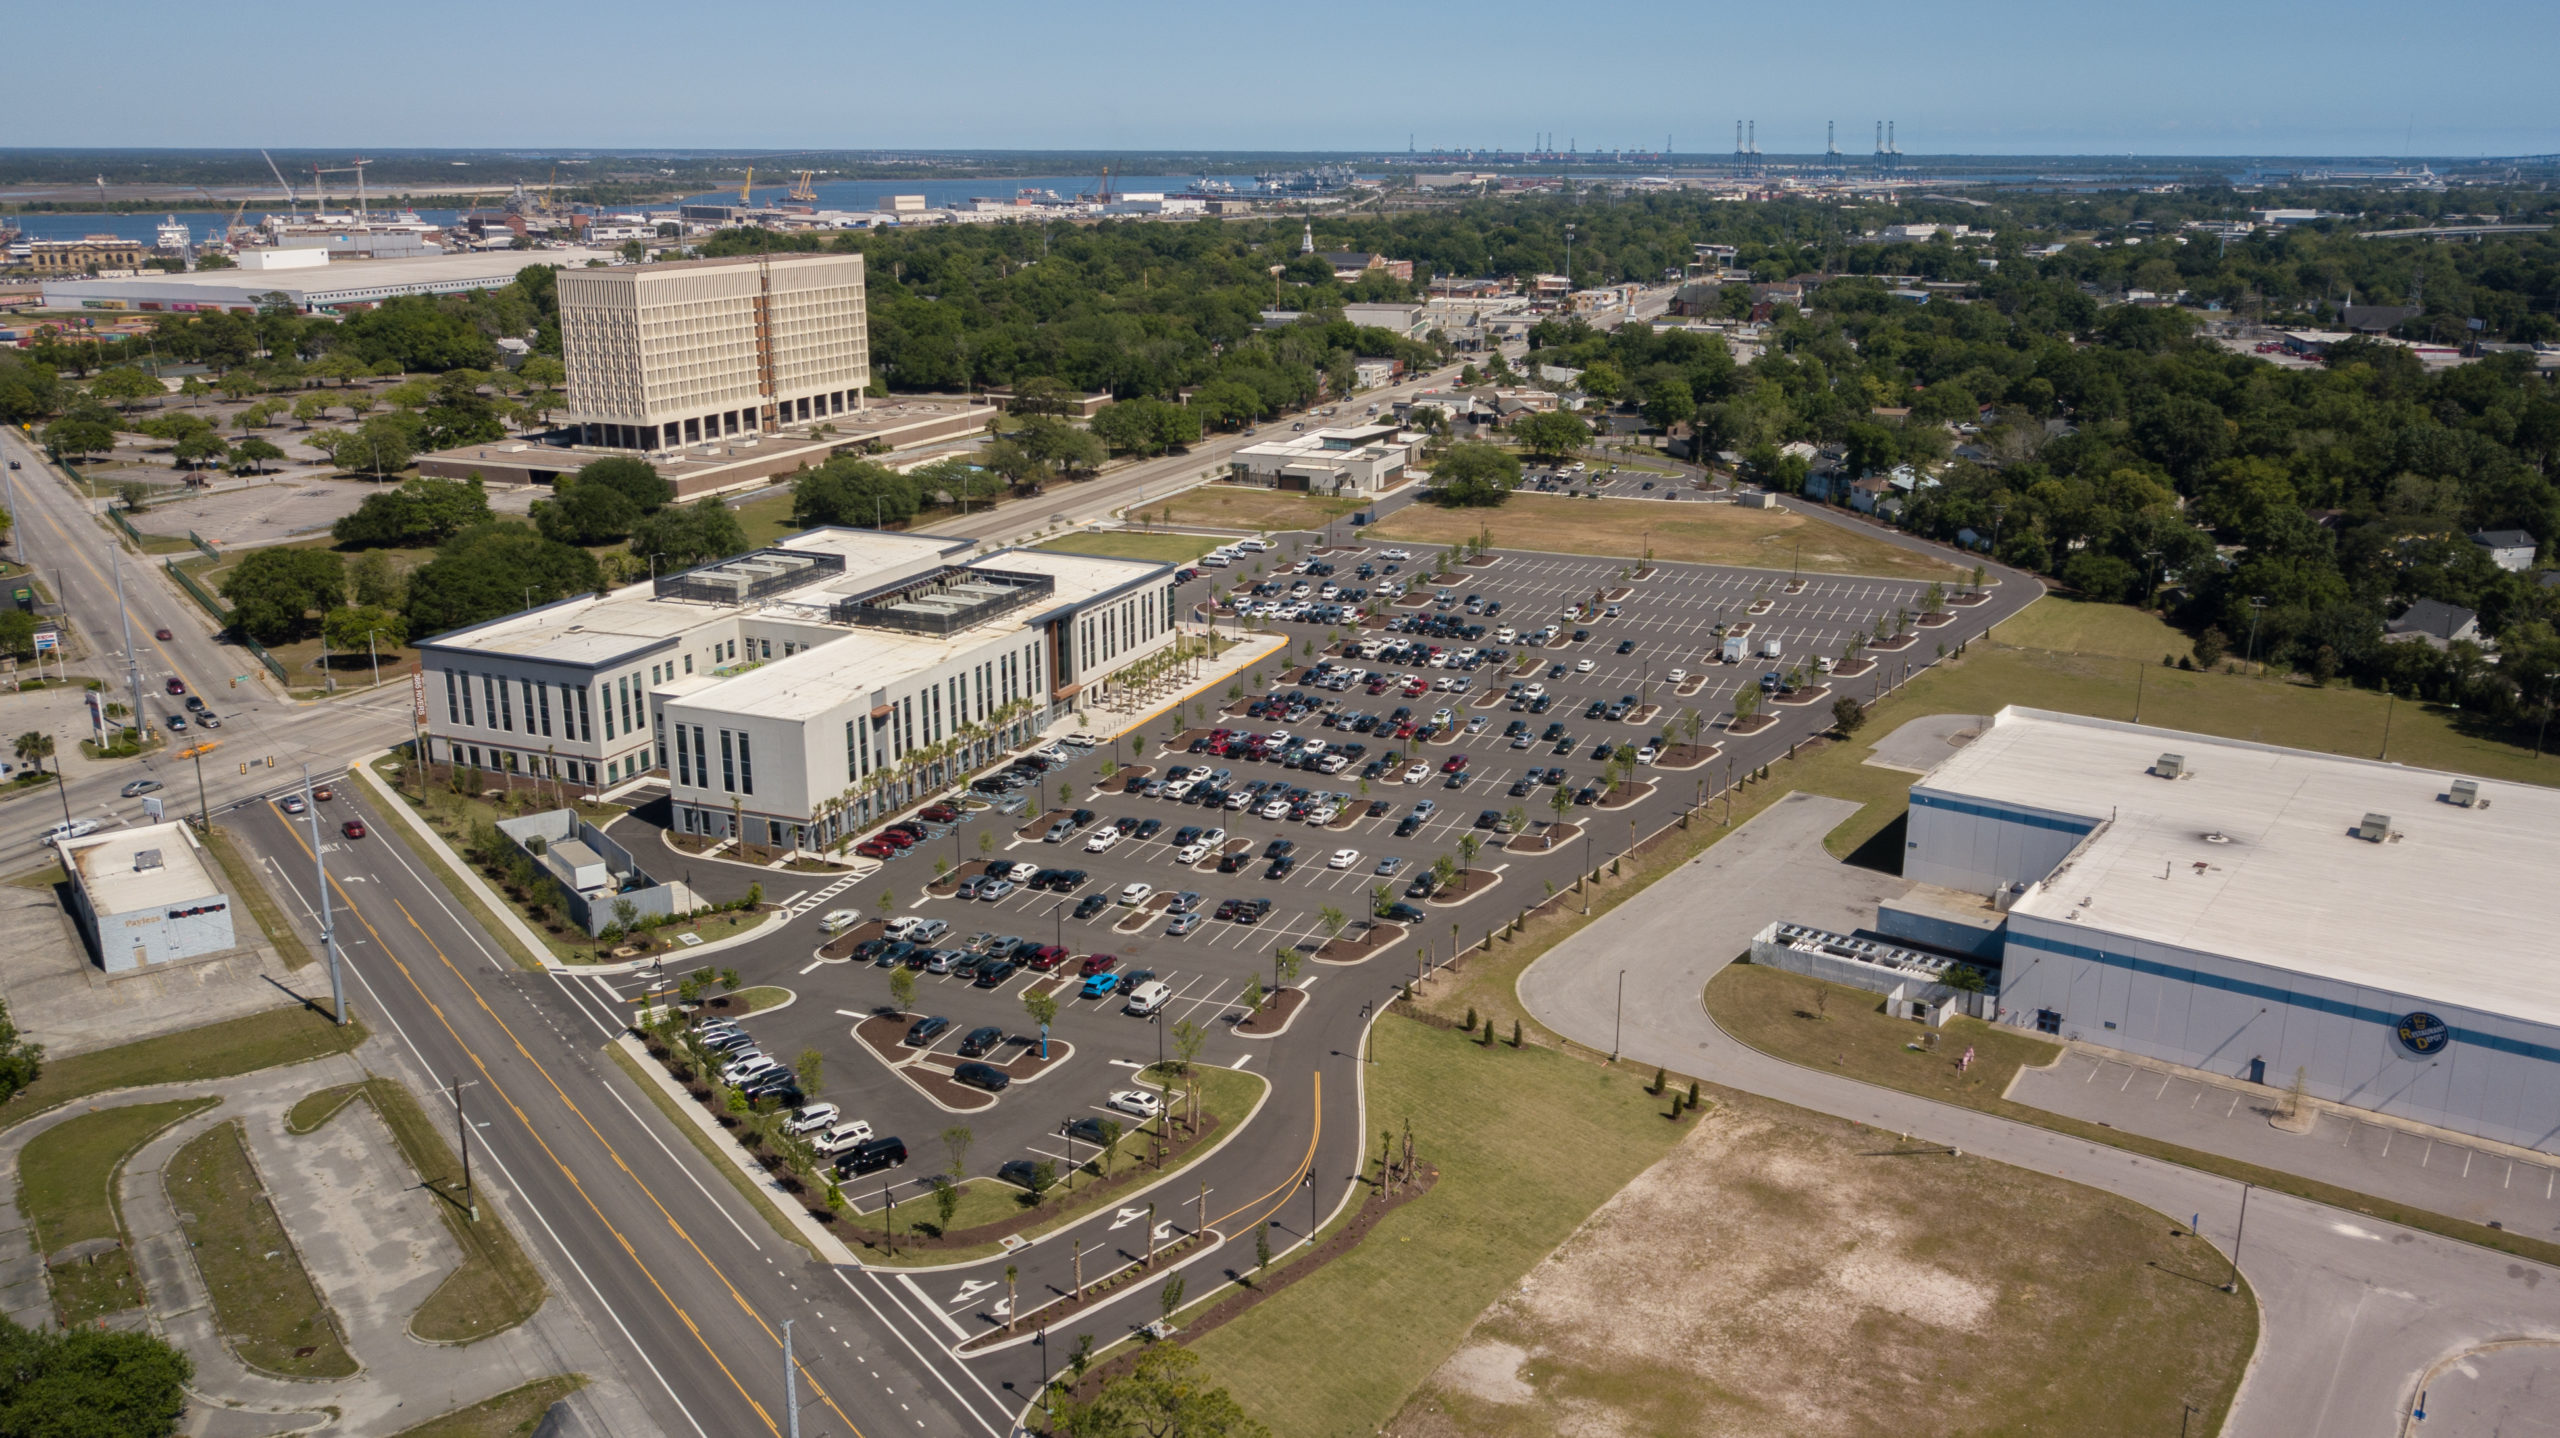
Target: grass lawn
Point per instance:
(767, 517)
(755, 998)
(39, 879)
(234, 1046)
(1226, 1095)
(354, 668)
(496, 1287)
(269, 1311)
(250, 887)
(1163, 548)
(1848, 1031)
(66, 1191)
(1700, 534)
(1249, 508)
(512, 1414)
(1830, 1281)
(1338, 1352)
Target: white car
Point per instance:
(1343, 859)
(1678, 676)
(1142, 1102)
(71, 829)
(1648, 754)
(1149, 996)
(813, 1118)
(839, 920)
(1276, 809)
(1823, 664)
(1136, 894)
(746, 1066)
(1103, 841)
(1584, 667)
(1191, 853)
(1418, 774)
(1020, 873)
(1321, 815)
(902, 926)
(1397, 555)
(843, 1136)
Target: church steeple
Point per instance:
(1307, 241)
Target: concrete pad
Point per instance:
(1918, 744)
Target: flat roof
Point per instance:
(595, 629)
(104, 864)
(850, 668)
(2253, 855)
(320, 285)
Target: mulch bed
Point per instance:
(1028, 1064)
(1484, 561)
(1351, 814)
(1937, 620)
(1752, 725)
(1854, 669)
(1274, 1015)
(1893, 646)
(842, 945)
(1814, 695)
(886, 1035)
(1691, 686)
(1251, 1291)
(1469, 883)
(1687, 756)
(1644, 713)
(1761, 606)
(1039, 828)
(1795, 586)
(1416, 600)
(1741, 627)
(1372, 937)
(1968, 601)
(1626, 794)
(1543, 841)
(1137, 919)
(948, 1091)
(1617, 594)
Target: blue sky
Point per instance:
(2458, 77)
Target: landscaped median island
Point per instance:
(265, 1305)
(511, 1414)
(496, 1287)
(67, 1178)
(266, 1040)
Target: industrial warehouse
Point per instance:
(2379, 933)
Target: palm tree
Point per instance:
(35, 747)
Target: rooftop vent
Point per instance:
(145, 860)
(2375, 828)
(2466, 792)
(2170, 766)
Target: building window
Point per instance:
(489, 698)
(607, 705)
(468, 715)
(452, 700)
(688, 664)
(746, 766)
(701, 763)
(662, 741)
(2048, 1021)
(684, 761)
(728, 766)
(542, 696)
(852, 749)
(506, 708)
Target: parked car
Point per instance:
(1148, 996)
(1100, 985)
(926, 1030)
(983, 1076)
(841, 1137)
(1142, 1102)
(873, 1155)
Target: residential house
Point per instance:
(2434, 623)
(2509, 549)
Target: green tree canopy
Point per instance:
(1476, 473)
(852, 493)
(89, 1383)
(492, 570)
(347, 626)
(420, 513)
(1555, 433)
(274, 591)
(681, 536)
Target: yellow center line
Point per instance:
(1305, 1166)
(73, 549)
(491, 1079)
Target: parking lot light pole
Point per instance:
(462, 1128)
(2236, 1235)
(1589, 873)
(1619, 1029)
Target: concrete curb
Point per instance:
(794, 1212)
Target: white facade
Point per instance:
(798, 692)
(146, 896)
(2261, 912)
(670, 354)
(1363, 460)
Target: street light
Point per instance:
(462, 1127)
(1619, 1029)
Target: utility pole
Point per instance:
(204, 811)
(2236, 1235)
(328, 923)
(1619, 1028)
(2257, 606)
(462, 1129)
(132, 671)
(791, 1382)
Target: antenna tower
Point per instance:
(1831, 138)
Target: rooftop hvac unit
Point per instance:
(2466, 792)
(145, 860)
(2375, 828)
(2170, 766)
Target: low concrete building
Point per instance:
(147, 896)
(1356, 461)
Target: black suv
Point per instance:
(925, 1031)
(980, 1041)
(985, 1076)
(1092, 904)
(872, 1155)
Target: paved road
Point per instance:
(2353, 1310)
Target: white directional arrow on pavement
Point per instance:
(1163, 1232)
(971, 1289)
(1125, 1217)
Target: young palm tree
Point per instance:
(35, 747)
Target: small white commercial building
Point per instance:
(1361, 460)
(147, 896)
(2385, 933)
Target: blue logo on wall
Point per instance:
(2423, 1034)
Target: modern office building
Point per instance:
(147, 896)
(693, 350)
(794, 694)
(2382, 932)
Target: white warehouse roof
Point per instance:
(2253, 854)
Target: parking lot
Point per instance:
(1332, 887)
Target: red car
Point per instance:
(353, 828)
(1457, 764)
(1043, 958)
(876, 849)
(1098, 963)
(162, 634)
(177, 685)
(942, 814)
(898, 839)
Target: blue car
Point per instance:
(1101, 985)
